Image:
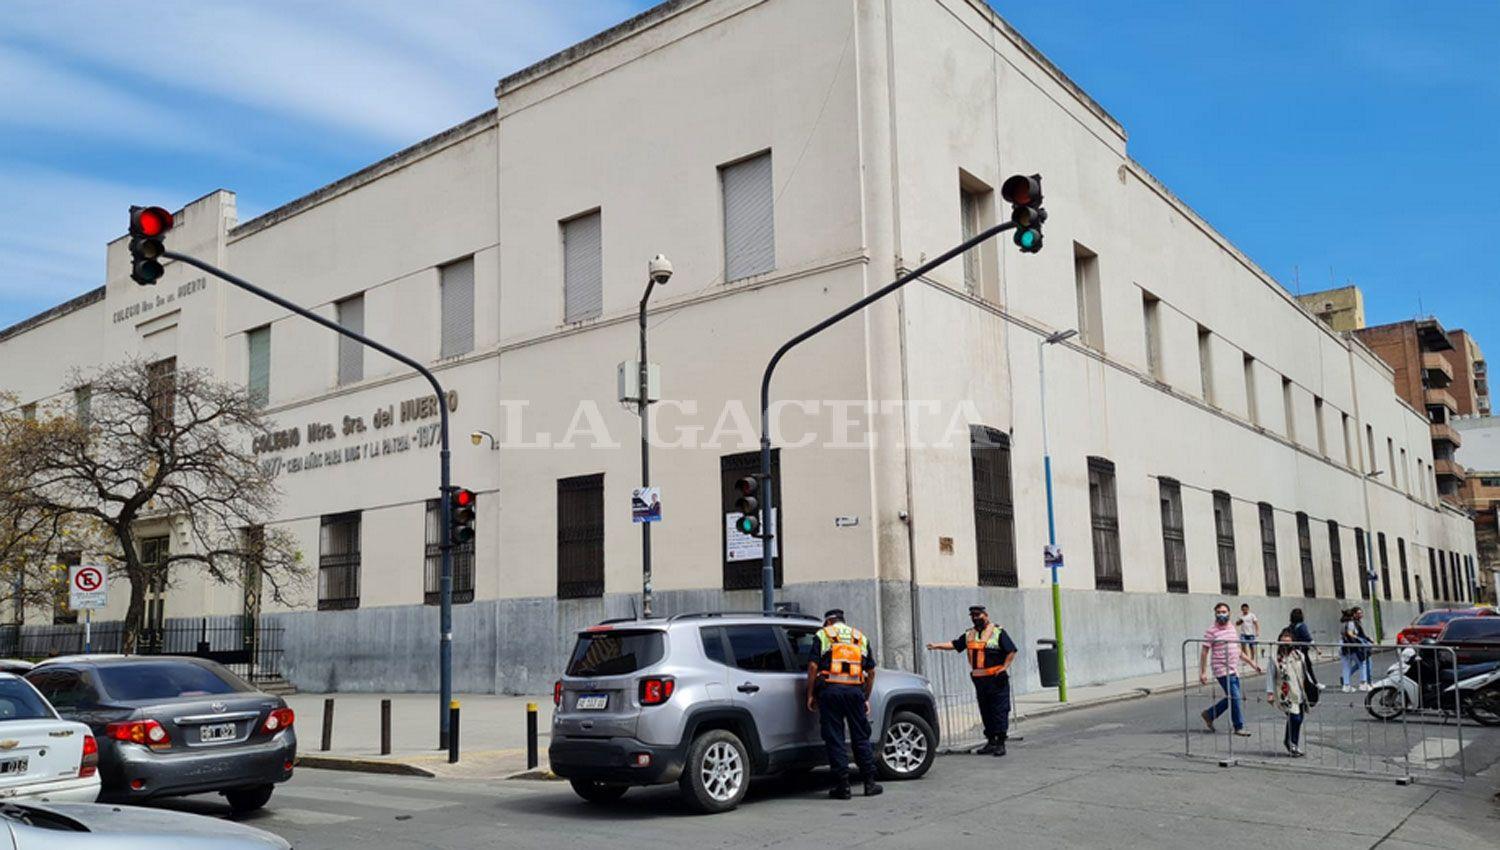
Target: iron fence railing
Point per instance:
(252, 649)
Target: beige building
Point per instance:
(1342, 309)
(1210, 438)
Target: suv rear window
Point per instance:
(615, 653)
(150, 680)
(19, 702)
(1475, 628)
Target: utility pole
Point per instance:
(659, 271)
(1053, 556)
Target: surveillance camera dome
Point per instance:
(660, 269)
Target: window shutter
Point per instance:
(749, 231)
(351, 354)
(259, 379)
(456, 287)
(583, 269)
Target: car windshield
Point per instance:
(615, 653)
(148, 680)
(1474, 628)
(18, 701)
(1437, 618)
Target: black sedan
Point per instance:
(171, 726)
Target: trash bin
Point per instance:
(1046, 662)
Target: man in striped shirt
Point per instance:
(1222, 647)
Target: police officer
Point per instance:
(990, 652)
(838, 688)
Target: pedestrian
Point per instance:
(1289, 689)
(1354, 650)
(838, 688)
(1221, 645)
(1249, 626)
(990, 651)
(1302, 636)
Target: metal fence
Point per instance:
(1385, 711)
(958, 710)
(250, 648)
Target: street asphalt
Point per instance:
(1110, 776)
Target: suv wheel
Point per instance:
(717, 773)
(244, 800)
(598, 792)
(907, 748)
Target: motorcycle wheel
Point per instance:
(1385, 703)
(1484, 707)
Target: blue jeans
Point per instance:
(1231, 686)
(1352, 666)
(1293, 729)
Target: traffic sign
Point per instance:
(88, 587)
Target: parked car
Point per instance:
(42, 756)
(171, 726)
(1476, 640)
(710, 700)
(16, 666)
(88, 826)
(1429, 624)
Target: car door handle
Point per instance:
(748, 688)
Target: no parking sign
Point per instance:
(88, 587)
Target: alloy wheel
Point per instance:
(904, 748)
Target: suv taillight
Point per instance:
(89, 765)
(277, 720)
(147, 732)
(557, 693)
(655, 691)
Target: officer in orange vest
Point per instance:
(838, 688)
(990, 652)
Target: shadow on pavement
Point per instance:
(660, 801)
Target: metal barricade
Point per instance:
(958, 709)
(1380, 710)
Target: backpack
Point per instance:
(1310, 687)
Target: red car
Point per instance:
(1431, 623)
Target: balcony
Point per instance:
(1442, 398)
(1446, 468)
(1442, 432)
(1436, 369)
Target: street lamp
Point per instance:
(1053, 556)
(1369, 544)
(478, 437)
(658, 272)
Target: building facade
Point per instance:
(1342, 309)
(1210, 438)
(1481, 495)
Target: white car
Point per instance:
(42, 756)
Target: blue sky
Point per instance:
(1291, 126)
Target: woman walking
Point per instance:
(1354, 652)
(1288, 689)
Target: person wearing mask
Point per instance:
(838, 688)
(1302, 636)
(1249, 626)
(990, 652)
(1288, 688)
(1222, 647)
(1354, 651)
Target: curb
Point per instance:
(363, 765)
(540, 773)
(1136, 693)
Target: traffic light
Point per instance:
(748, 506)
(1024, 194)
(148, 226)
(461, 515)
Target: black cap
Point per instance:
(977, 609)
(833, 614)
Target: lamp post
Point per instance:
(659, 271)
(1369, 544)
(1054, 559)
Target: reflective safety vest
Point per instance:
(984, 650)
(846, 649)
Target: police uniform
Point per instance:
(844, 663)
(987, 650)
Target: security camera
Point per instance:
(660, 269)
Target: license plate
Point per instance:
(12, 767)
(216, 732)
(592, 702)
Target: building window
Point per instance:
(1174, 541)
(1090, 300)
(1104, 512)
(580, 536)
(351, 315)
(1405, 575)
(252, 577)
(1304, 553)
(1151, 318)
(28, 412)
(1320, 425)
(83, 403)
(583, 268)
(1390, 449)
(1458, 584)
(742, 555)
(1229, 579)
(1385, 565)
(1362, 555)
(749, 217)
(1252, 402)
(1345, 427)
(161, 379)
(1336, 554)
(1288, 404)
(1405, 472)
(1268, 549)
(62, 614)
(463, 560)
(1370, 439)
(155, 553)
(994, 510)
(338, 562)
(1206, 364)
(976, 212)
(456, 294)
(258, 374)
(1439, 575)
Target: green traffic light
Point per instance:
(747, 525)
(1027, 238)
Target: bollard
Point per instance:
(531, 759)
(327, 724)
(453, 732)
(385, 727)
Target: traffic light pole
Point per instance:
(767, 532)
(445, 640)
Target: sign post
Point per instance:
(88, 589)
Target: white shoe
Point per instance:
(1364, 686)
(1346, 689)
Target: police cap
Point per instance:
(833, 614)
(977, 609)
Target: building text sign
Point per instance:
(391, 429)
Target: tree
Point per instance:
(154, 451)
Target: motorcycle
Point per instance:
(1419, 681)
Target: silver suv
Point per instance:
(709, 700)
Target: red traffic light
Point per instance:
(149, 221)
(463, 498)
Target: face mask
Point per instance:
(1223, 618)
(978, 624)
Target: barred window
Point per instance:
(1104, 511)
(1405, 575)
(1268, 549)
(1385, 565)
(994, 508)
(1304, 552)
(1336, 552)
(1362, 550)
(580, 536)
(1174, 541)
(463, 560)
(161, 377)
(339, 561)
(1229, 579)
(1439, 575)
